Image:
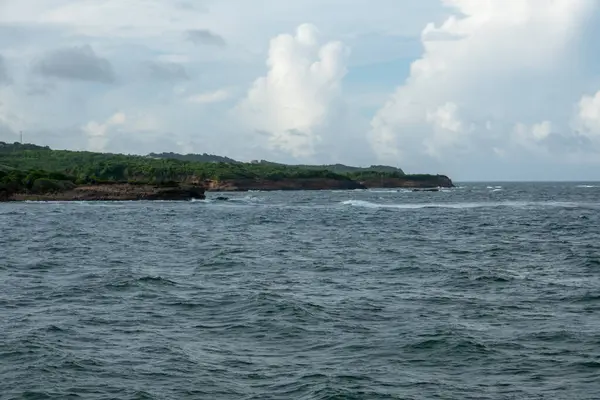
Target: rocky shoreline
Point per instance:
(183, 192)
(112, 192)
(242, 185)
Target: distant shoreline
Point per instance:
(111, 192)
(31, 172)
(184, 192)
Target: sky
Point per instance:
(474, 89)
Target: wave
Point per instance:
(387, 191)
(249, 199)
(587, 186)
(512, 204)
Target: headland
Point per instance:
(31, 172)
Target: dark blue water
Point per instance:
(475, 293)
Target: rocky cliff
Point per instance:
(282, 184)
(112, 192)
(430, 182)
(326, 184)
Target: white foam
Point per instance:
(389, 191)
(513, 204)
(587, 186)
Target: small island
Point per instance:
(37, 173)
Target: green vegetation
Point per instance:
(35, 181)
(88, 167)
(343, 169)
(36, 168)
(205, 158)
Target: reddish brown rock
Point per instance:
(116, 192)
(241, 185)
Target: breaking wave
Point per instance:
(509, 204)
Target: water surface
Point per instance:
(486, 291)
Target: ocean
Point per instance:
(484, 291)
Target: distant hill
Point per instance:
(207, 158)
(342, 169)
(16, 146)
(336, 168)
(22, 164)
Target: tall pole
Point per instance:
(21, 137)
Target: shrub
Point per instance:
(44, 185)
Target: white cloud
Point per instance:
(293, 100)
(531, 137)
(589, 115)
(216, 96)
(489, 73)
(97, 133)
(447, 129)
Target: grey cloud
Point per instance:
(296, 132)
(204, 36)
(7, 134)
(76, 63)
(39, 89)
(166, 71)
(560, 143)
(4, 76)
(188, 5)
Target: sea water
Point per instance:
(484, 291)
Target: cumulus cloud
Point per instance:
(291, 103)
(166, 71)
(75, 63)
(97, 133)
(588, 116)
(216, 96)
(494, 76)
(205, 37)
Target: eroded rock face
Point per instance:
(435, 181)
(283, 184)
(117, 192)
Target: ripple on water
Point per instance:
(466, 294)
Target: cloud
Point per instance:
(205, 37)
(588, 116)
(166, 71)
(7, 134)
(97, 133)
(75, 63)
(191, 6)
(496, 77)
(294, 99)
(216, 96)
(4, 75)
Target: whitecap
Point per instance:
(513, 204)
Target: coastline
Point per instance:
(112, 192)
(186, 192)
(244, 185)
